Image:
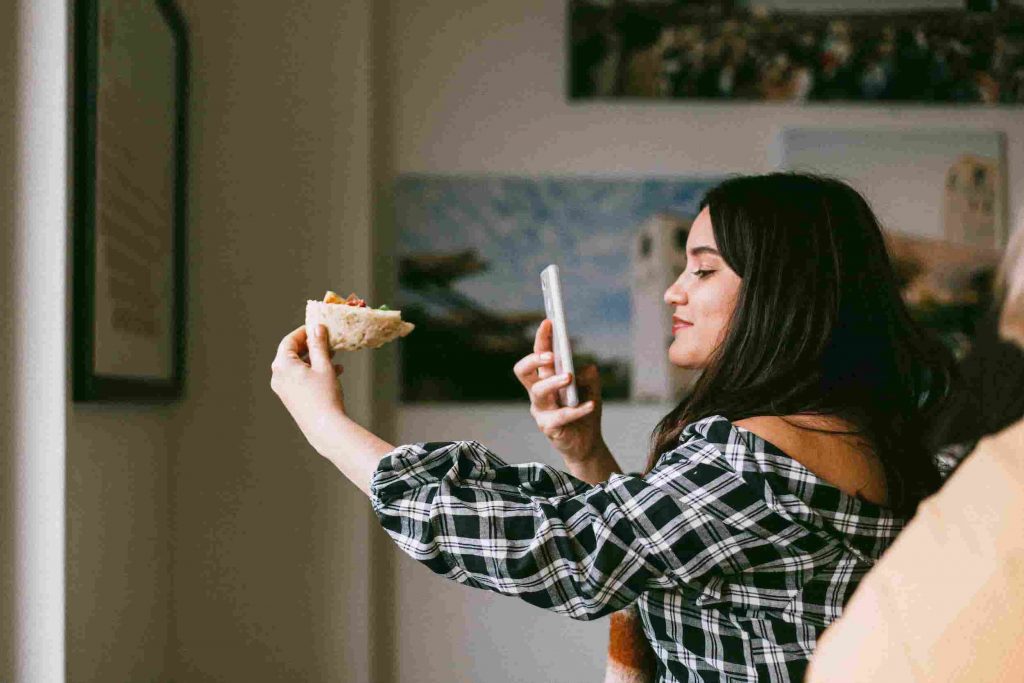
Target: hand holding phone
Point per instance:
(552, 289)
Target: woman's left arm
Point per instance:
(312, 394)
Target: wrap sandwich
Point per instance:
(352, 325)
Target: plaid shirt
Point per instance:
(737, 556)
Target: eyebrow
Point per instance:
(697, 251)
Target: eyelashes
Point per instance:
(701, 274)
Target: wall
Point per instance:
(119, 589)
(271, 571)
(33, 329)
(204, 540)
(478, 88)
(83, 489)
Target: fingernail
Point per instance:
(547, 356)
(563, 378)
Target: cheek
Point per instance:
(717, 312)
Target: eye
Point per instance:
(701, 274)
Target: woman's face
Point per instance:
(703, 298)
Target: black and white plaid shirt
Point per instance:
(737, 555)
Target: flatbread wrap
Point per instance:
(352, 325)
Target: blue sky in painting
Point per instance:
(521, 224)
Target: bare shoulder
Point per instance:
(843, 460)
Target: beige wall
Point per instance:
(271, 572)
(118, 542)
(203, 540)
(479, 88)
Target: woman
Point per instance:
(770, 490)
(946, 602)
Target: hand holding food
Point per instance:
(303, 376)
(309, 389)
(352, 325)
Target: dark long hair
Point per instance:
(819, 327)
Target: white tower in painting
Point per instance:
(972, 210)
(658, 258)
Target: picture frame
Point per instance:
(129, 200)
(867, 52)
(471, 249)
(940, 196)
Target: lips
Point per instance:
(679, 323)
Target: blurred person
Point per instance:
(946, 601)
(769, 491)
(639, 62)
(590, 47)
(776, 81)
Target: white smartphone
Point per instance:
(552, 288)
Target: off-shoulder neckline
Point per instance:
(776, 451)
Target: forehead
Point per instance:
(701, 234)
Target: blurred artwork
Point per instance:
(471, 250)
(946, 185)
(973, 202)
(946, 286)
(959, 51)
(941, 199)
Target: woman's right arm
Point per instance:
(630, 656)
(597, 468)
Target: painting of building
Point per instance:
(935, 184)
(972, 206)
(941, 199)
(658, 257)
(471, 249)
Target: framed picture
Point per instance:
(131, 69)
(941, 196)
(941, 184)
(471, 250)
(895, 51)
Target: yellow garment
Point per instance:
(946, 600)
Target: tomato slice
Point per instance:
(354, 300)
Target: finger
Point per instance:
(542, 344)
(319, 354)
(558, 419)
(291, 350)
(526, 369)
(544, 394)
(293, 345)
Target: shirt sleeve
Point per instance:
(539, 534)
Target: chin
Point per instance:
(686, 361)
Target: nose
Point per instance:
(675, 295)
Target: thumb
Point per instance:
(319, 354)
